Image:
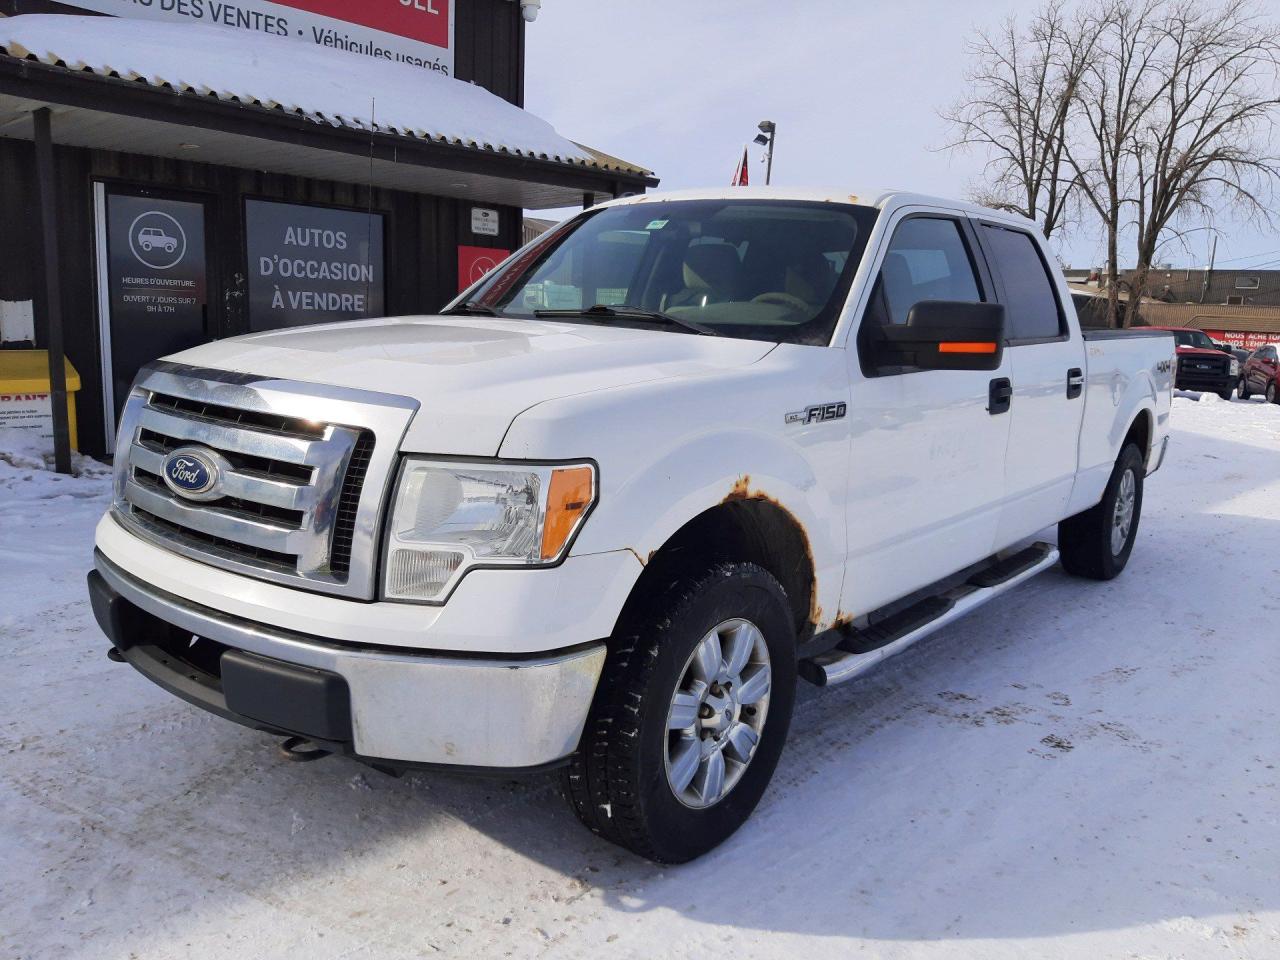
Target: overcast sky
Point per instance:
(855, 87)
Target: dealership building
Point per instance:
(193, 170)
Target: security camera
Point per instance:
(529, 9)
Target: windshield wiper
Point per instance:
(474, 309)
(633, 313)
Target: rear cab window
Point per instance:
(1027, 287)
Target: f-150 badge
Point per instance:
(818, 413)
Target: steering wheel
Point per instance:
(783, 300)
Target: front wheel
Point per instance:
(1226, 393)
(690, 716)
(1097, 543)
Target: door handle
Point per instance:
(999, 395)
(1075, 383)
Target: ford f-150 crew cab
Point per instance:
(605, 510)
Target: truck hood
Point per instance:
(1200, 352)
(473, 375)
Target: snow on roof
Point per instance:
(295, 77)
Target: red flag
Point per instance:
(740, 178)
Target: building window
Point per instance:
(1248, 283)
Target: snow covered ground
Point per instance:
(1077, 770)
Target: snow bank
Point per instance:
(23, 451)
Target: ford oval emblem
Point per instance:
(191, 473)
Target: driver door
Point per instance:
(927, 467)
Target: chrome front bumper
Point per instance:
(406, 706)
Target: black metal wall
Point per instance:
(422, 237)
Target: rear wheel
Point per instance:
(1242, 389)
(690, 716)
(1097, 543)
(1271, 393)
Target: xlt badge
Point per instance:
(818, 413)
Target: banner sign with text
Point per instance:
(312, 264)
(417, 32)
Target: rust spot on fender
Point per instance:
(741, 490)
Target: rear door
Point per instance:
(926, 476)
(1046, 359)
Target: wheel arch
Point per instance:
(746, 526)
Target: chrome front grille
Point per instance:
(303, 471)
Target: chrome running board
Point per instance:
(847, 661)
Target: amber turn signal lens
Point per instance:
(571, 495)
(967, 347)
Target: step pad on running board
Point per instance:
(1011, 566)
(899, 625)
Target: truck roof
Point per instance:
(880, 197)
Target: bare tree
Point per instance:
(1117, 91)
(1021, 89)
(1204, 142)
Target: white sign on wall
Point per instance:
(484, 221)
(417, 32)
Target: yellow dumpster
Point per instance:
(25, 403)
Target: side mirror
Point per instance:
(944, 335)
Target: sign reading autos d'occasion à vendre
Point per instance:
(417, 32)
(312, 264)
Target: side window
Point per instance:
(1028, 290)
(927, 260)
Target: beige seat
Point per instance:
(712, 273)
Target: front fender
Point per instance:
(669, 452)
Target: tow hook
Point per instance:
(115, 655)
(302, 750)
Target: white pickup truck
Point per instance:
(604, 511)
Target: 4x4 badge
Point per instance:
(818, 413)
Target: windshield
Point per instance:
(1193, 338)
(755, 269)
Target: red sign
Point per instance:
(426, 21)
(474, 263)
(1244, 340)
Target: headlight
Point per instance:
(449, 517)
(1235, 367)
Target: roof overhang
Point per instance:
(109, 113)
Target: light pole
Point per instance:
(768, 133)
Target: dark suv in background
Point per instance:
(1261, 374)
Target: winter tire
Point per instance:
(1242, 390)
(1226, 394)
(1271, 393)
(690, 715)
(1097, 543)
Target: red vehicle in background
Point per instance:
(1261, 374)
(1201, 365)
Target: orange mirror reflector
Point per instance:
(966, 347)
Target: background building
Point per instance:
(212, 181)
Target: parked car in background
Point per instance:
(1261, 374)
(1201, 365)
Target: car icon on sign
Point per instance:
(151, 237)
